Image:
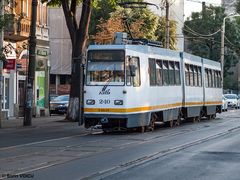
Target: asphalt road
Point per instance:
(205, 150)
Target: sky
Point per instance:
(191, 6)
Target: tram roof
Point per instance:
(137, 48)
(153, 50)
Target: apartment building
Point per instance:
(16, 44)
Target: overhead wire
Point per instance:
(191, 31)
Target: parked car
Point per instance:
(52, 96)
(224, 104)
(59, 104)
(233, 100)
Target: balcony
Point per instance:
(20, 29)
(42, 32)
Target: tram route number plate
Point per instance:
(104, 101)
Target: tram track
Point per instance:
(120, 167)
(154, 156)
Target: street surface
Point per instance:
(209, 149)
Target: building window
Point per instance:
(53, 79)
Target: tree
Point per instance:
(143, 24)
(78, 31)
(202, 34)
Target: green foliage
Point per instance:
(161, 32)
(152, 26)
(238, 6)
(101, 10)
(210, 46)
(5, 20)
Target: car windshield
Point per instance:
(62, 98)
(105, 67)
(230, 96)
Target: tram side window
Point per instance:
(171, 73)
(210, 78)
(215, 78)
(177, 73)
(187, 76)
(159, 72)
(152, 72)
(136, 79)
(199, 76)
(195, 71)
(206, 77)
(219, 79)
(191, 75)
(165, 73)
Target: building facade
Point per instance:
(61, 51)
(16, 37)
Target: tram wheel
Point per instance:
(178, 122)
(170, 123)
(213, 116)
(142, 129)
(198, 118)
(151, 125)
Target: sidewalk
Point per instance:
(36, 122)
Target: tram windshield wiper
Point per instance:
(107, 83)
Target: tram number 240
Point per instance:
(104, 101)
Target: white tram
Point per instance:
(130, 86)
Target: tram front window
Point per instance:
(105, 67)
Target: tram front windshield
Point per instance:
(105, 67)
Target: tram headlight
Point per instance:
(118, 102)
(90, 102)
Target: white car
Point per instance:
(224, 104)
(232, 100)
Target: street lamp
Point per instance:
(222, 40)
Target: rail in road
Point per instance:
(53, 153)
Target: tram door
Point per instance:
(21, 97)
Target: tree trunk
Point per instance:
(75, 107)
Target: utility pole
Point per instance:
(167, 45)
(222, 41)
(1, 60)
(222, 48)
(31, 67)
